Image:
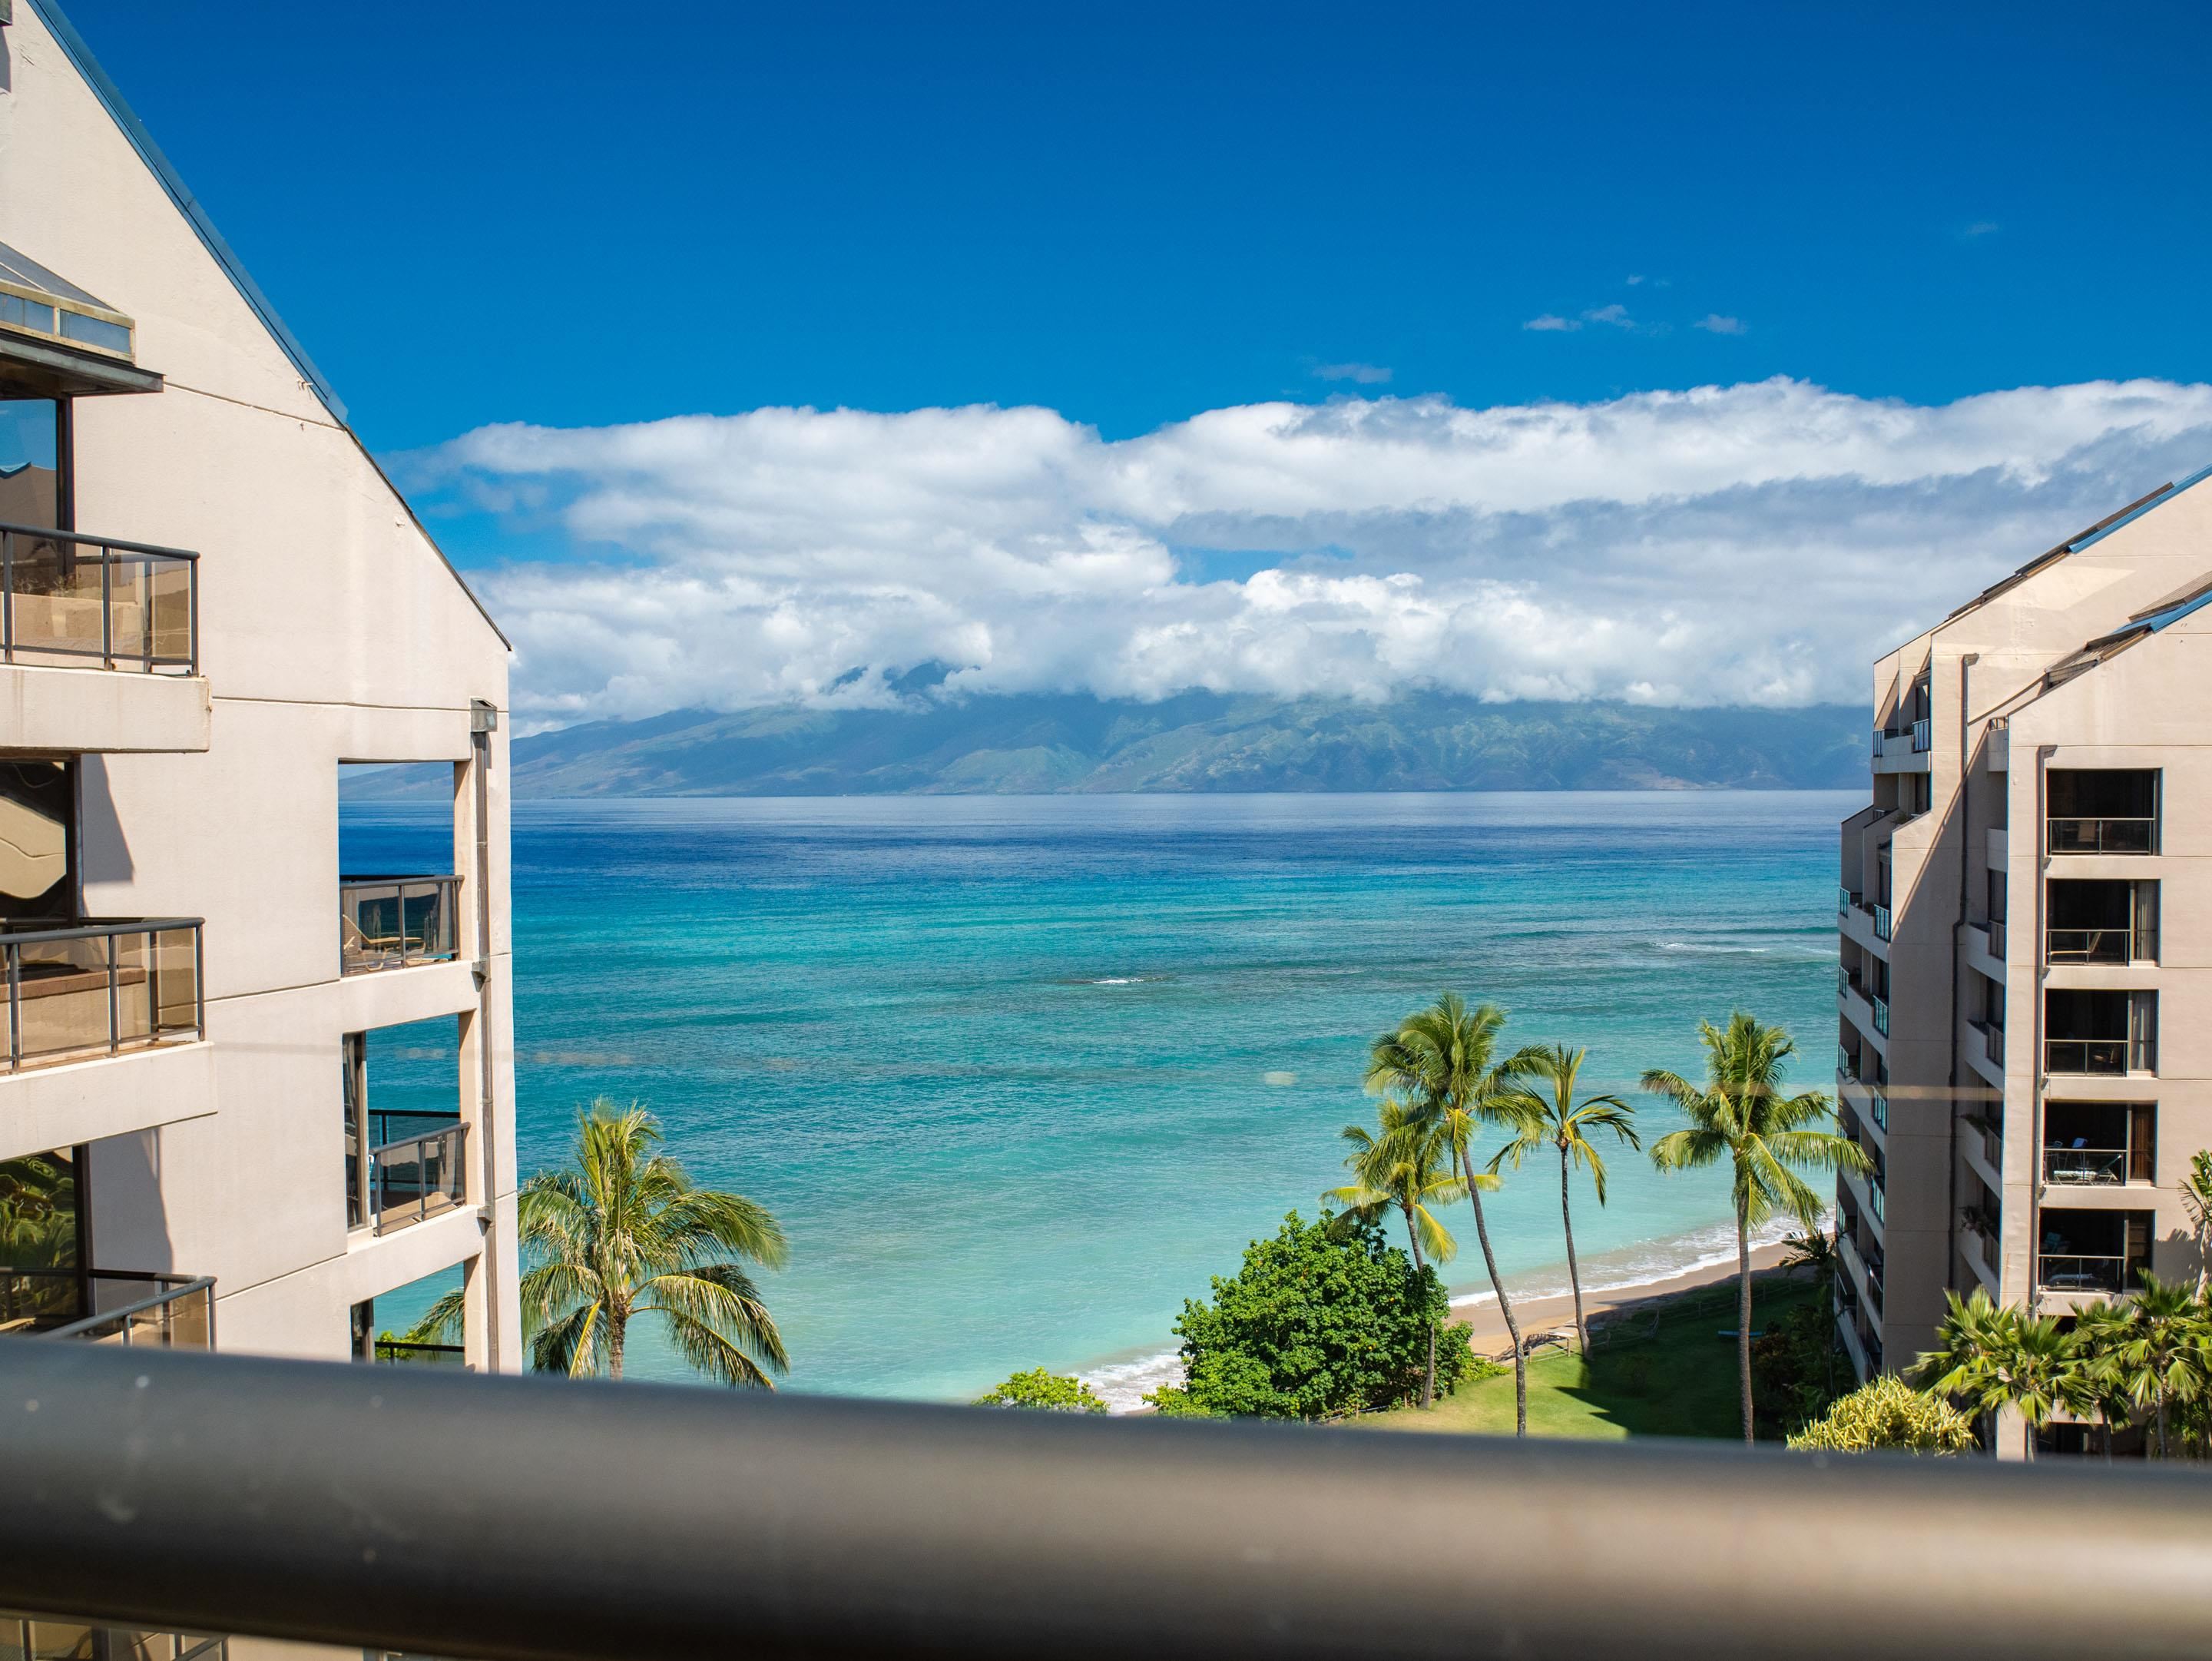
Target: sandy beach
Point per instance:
(1538, 1315)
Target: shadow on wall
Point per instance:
(130, 1223)
(104, 852)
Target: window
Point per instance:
(34, 446)
(1997, 896)
(38, 839)
(2103, 810)
(42, 1246)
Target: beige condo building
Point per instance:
(211, 600)
(2026, 919)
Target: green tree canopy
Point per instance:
(1324, 1318)
(1887, 1414)
(1058, 1392)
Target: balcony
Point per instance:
(2104, 1033)
(84, 602)
(91, 989)
(396, 922)
(2094, 1252)
(1995, 928)
(2098, 1144)
(1847, 1064)
(36, 1638)
(412, 1171)
(400, 1352)
(1881, 922)
(1880, 1015)
(2106, 1057)
(2091, 1166)
(1877, 1201)
(2079, 1272)
(2080, 946)
(2099, 810)
(1923, 736)
(109, 1306)
(2103, 922)
(1993, 1042)
(2101, 835)
(1878, 1104)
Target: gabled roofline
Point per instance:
(118, 109)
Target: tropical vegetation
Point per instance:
(1886, 1414)
(1741, 1115)
(1402, 1166)
(1539, 1084)
(1056, 1392)
(621, 1232)
(1444, 1059)
(1324, 1319)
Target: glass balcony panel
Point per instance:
(79, 992)
(134, 987)
(2103, 835)
(2063, 1272)
(175, 996)
(2080, 1165)
(418, 1177)
(61, 996)
(392, 922)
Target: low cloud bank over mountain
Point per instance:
(1749, 545)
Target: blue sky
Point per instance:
(575, 213)
(1268, 275)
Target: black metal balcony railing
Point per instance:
(416, 1178)
(109, 1307)
(2102, 835)
(75, 601)
(2085, 1165)
(39, 1638)
(402, 1353)
(902, 1531)
(2079, 1272)
(395, 922)
(97, 988)
(1881, 922)
(2099, 1055)
(2125, 945)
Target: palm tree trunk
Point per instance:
(1429, 1382)
(2027, 1431)
(1574, 1275)
(2161, 1425)
(1504, 1304)
(617, 1325)
(1743, 1312)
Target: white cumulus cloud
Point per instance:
(1755, 544)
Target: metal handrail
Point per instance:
(166, 1301)
(212, 1494)
(2083, 1271)
(450, 1191)
(2099, 1056)
(360, 954)
(103, 1031)
(1880, 1015)
(1881, 922)
(112, 552)
(2111, 944)
(2085, 1165)
(2101, 834)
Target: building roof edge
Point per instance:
(119, 109)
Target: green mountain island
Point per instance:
(1193, 742)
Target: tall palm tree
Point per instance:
(2000, 1357)
(2165, 1355)
(1444, 1059)
(2099, 1384)
(622, 1232)
(1403, 1166)
(1741, 1115)
(2197, 1195)
(1540, 1081)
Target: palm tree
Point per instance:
(622, 1232)
(1999, 1358)
(2100, 1384)
(1444, 1059)
(2165, 1353)
(2197, 1195)
(1741, 1115)
(1401, 1168)
(1551, 1116)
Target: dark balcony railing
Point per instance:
(39, 1638)
(1878, 1104)
(416, 1178)
(1880, 1015)
(401, 1353)
(595, 1521)
(1993, 1041)
(1923, 736)
(94, 988)
(2102, 835)
(2099, 1055)
(1996, 930)
(1846, 1064)
(2075, 1272)
(2085, 1165)
(78, 601)
(1877, 1201)
(109, 1306)
(2123, 945)
(1845, 899)
(1881, 922)
(394, 922)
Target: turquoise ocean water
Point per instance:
(1020, 1074)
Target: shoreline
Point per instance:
(1544, 1315)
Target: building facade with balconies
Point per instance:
(210, 600)
(2025, 922)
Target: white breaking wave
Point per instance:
(1125, 1384)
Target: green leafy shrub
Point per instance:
(1793, 1366)
(1324, 1319)
(1888, 1413)
(1057, 1392)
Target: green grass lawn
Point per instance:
(1679, 1381)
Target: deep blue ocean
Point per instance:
(1019, 1075)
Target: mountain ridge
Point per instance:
(1193, 742)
